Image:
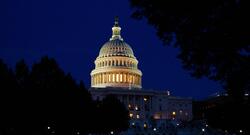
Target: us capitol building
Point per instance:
(116, 72)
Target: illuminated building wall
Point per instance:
(145, 104)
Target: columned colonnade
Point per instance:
(111, 77)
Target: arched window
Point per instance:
(125, 78)
(117, 77)
(113, 79)
(133, 79)
(117, 63)
(101, 78)
(130, 78)
(109, 78)
(121, 78)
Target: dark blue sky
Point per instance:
(72, 31)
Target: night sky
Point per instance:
(73, 31)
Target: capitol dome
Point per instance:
(116, 65)
(116, 47)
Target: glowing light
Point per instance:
(206, 125)
(109, 76)
(130, 78)
(168, 93)
(154, 129)
(120, 77)
(136, 108)
(173, 113)
(241, 131)
(117, 77)
(112, 132)
(131, 115)
(113, 79)
(133, 123)
(177, 124)
(125, 80)
(157, 116)
(138, 116)
(145, 99)
(203, 130)
(48, 127)
(145, 125)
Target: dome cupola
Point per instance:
(116, 65)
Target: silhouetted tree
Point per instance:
(212, 35)
(8, 99)
(58, 98)
(229, 116)
(45, 100)
(22, 73)
(214, 41)
(21, 98)
(111, 115)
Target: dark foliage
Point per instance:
(229, 116)
(221, 112)
(212, 35)
(8, 106)
(109, 118)
(45, 100)
(214, 41)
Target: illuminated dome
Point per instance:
(116, 65)
(116, 47)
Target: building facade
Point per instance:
(116, 72)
